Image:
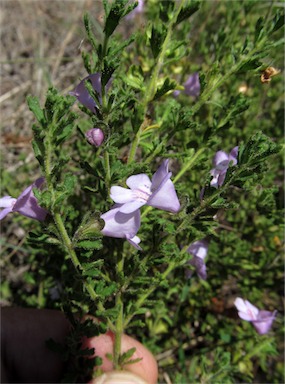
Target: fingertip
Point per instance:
(119, 377)
(146, 368)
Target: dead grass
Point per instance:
(41, 46)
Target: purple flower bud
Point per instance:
(198, 250)
(26, 204)
(95, 136)
(261, 320)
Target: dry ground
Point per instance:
(41, 43)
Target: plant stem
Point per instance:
(152, 86)
(107, 168)
(146, 294)
(77, 265)
(189, 164)
(70, 251)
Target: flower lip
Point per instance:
(122, 225)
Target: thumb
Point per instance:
(118, 377)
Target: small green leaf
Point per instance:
(34, 106)
(168, 85)
(158, 34)
(187, 11)
(90, 244)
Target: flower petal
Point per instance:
(7, 202)
(246, 310)
(132, 206)
(221, 161)
(264, 321)
(137, 181)
(192, 85)
(134, 241)
(121, 225)
(233, 155)
(82, 94)
(5, 212)
(161, 175)
(121, 195)
(165, 198)
(199, 248)
(27, 203)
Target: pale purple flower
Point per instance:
(159, 193)
(261, 320)
(137, 11)
(95, 136)
(221, 163)
(122, 225)
(82, 94)
(26, 204)
(192, 86)
(198, 250)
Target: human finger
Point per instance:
(146, 368)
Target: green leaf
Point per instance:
(168, 85)
(90, 244)
(158, 34)
(114, 16)
(34, 106)
(39, 151)
(278, 22)
(88, 29)
(187, 11)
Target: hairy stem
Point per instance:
(152, 86)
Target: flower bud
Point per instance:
(95, 136)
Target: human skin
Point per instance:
(26, 359)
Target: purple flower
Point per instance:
(26, 204)
(192, 86)
(221, 163)
(138, 10)
(95, 136)
(198, 250)
(261, 320)
(159, 193)
(122, 225)
(82, 94)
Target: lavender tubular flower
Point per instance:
(26, 204)
(192, 86)
(82, 94)
(122, 225)
(261, 320)
(159, 193)
(198, 250)
(221, 163)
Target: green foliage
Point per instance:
(147, 293)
